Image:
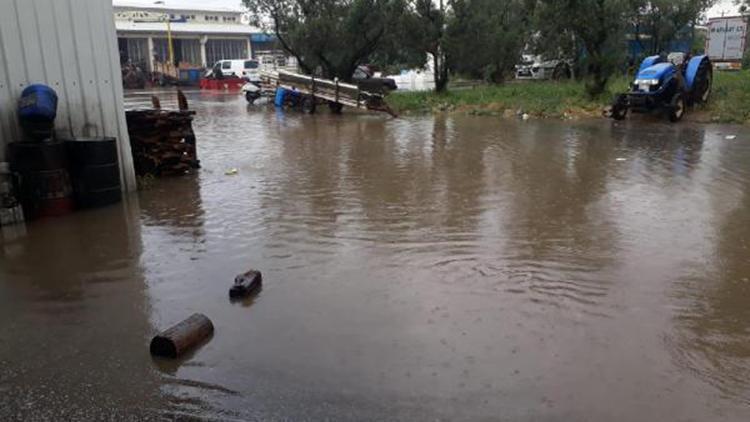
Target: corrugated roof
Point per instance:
(168, 7)
(187, 28)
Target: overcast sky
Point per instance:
(726, 6)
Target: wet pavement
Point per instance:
(421, 268)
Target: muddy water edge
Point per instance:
(421, 268)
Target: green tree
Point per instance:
(419, 37)
(663, 20)
(486, 37)
(598, 26)
(426, 23)
(331, 37)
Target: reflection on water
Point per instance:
(712, 336)
(73, 317)
(421, 268)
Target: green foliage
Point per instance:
(543, 99)
(478, 38)
(699, 42)
(329, 36)
(729, 103)
(424, 27)
(662, 20)
(599, 28)
(486, 37)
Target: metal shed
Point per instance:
(70, 45)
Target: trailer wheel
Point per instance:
(335, 107)
(251, 97)
(676, 108)
(308, 105)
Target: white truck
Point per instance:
(727, 41)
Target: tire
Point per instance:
(619, 108)
(677, 108)
(308, 105)
(335, 107)
(703, 83)
(561, 72)
(251, 97)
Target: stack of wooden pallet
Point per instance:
(163, 142)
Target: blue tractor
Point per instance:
(669, 84)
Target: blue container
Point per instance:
(194, 76)
(38, 104)
(280, 94)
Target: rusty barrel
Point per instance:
(44, 185)
(94, 171)
(183, 337)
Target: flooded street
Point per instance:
(421, 268)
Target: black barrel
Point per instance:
(95, 171)
(44, 185)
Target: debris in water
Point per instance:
(622, 159)
(525, 116)
(232, 172)
(246, 284)
(182, 337)
(730, 137)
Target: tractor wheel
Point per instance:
(703, 83)
(335, 107)
(676, 108)
(619, 108)
(308, 104)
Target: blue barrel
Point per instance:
(37, 110)
(194, 76)
(280, 94)
(184, 75)
(38, 103)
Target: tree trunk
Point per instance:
(597, 82)
(441, 73)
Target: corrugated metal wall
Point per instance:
(71, 46)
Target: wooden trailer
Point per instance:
(313, 91)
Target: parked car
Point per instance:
(273, 61)
(368, 80)
(246, 69)
(535, 68)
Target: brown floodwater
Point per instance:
(421, 268)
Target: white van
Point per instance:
(245, 69)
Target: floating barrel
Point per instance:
(182, 337)
(95, 171)
(44, 182)
(37, 110)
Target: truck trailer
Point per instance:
(727, 41)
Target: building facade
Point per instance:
(200, 37)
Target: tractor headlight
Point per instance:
(645, 85)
